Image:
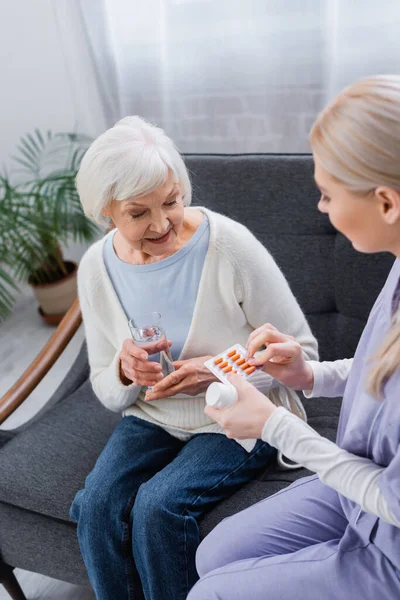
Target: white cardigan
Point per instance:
(240, 289)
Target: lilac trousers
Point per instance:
(296, 544)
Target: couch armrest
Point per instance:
(42, 363)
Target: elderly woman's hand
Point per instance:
(190, 377)
(135, 368)
(282, 359)
(247, 417)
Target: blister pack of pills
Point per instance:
(232, 360)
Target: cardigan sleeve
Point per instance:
(266, 296)
(103, 360)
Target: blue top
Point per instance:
(371, 428)
(168, 286)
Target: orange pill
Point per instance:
(234, 371)
(228, 370)
(245, 366)
(223, 365)
(250, 371)
(218, 360)
(231, 353)
(235, 357)
(240, 362)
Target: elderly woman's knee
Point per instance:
(98, 503)
(87, 507)
(76, 506)
(153, 504)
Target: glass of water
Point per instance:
(147, 333)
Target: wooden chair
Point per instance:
(20, 392)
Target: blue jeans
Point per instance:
(137, 515)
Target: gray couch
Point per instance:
(43, 464)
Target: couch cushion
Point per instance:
(43, 467)
(37, 543)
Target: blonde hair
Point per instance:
(357, 141)
(133, 158)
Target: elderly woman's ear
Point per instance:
(106, 212)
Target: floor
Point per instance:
(21, 337)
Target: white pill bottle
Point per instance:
(221, 395)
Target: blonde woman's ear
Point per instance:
(389, 200)
(389, 203)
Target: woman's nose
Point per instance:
(159, 223)
(322, 206)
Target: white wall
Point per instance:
(46, 74)
(364, 40)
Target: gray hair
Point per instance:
(131, 159)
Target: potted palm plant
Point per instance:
(14, 220)
(39, 214)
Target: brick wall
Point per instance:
(224, 75)
(246, 75)
(247, 121)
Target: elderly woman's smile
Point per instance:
(153, 225)
(159, 240)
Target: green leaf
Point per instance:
(41, 212)
(34, 143)
(40, 138)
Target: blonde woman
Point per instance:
(335, 534)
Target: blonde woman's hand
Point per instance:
(282, 359)
(247, 417)
(135, 366)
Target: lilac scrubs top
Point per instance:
(371, 428)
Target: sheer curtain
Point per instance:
(234, 76)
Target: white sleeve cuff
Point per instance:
(330, 378)
(110, 390)
(318, 371)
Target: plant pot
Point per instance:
(56, 298)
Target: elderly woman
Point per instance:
(166, 463)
